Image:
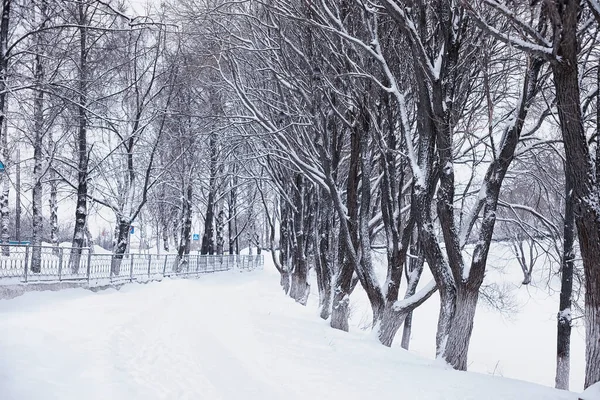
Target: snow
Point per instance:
(225, 336)
(591, 393)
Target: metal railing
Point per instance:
(23, 264)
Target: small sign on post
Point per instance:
(132, 229)
(196, 236)
(2, 167)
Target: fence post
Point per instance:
(131, 268)
(110, 271)
(26, 262)
(60, 262)
(89, 266)
(165, 266)
(149, 264)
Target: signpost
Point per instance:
(132, 230)
(196, 236)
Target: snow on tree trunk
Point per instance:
(54, 212)
(220, 225)
(340, 309)
(397, 313)
(18, 197)
(38, 134)
(122, 240)
(183, 249)
(415, 269)
(563, 333)
(323, 256)
(4, 210)
(299, 288)
(285, 246)
(366, 273)
(348, 234)
(231, 213)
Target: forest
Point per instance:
(316, 130)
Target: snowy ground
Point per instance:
(226, 336)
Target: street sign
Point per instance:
(2, 168)
(132, 230)
(196, 236)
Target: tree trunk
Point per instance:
(220, 228)
(415, 269)
(582, 175)
(348, 227)
(18, 197)
(456, 349)
(340, 310)
(323, 257)
(368, 279)
(183, 249)
(285, 246)
(54, 212)
(165, 237)
(406, 331)
(231, 214)
(208, 241)
(563, 339)
(36, 192)
(4, 210)
(299, 288)
(208, 246)
(121, 241)
(163, 219)
(82, 173)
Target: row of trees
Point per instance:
(102, 110)
(425, 125)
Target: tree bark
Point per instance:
(348, 227)
(38, 135)
(53, 203)
(208, 241)
(582, 174)
(563, 331)
(323, 256)
(186, 228)
(18, 197)
(4, 210)
(299, 288)
(220, 224)
(82, 173)
(121, 241)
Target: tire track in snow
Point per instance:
(206, 359)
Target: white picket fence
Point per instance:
(55, 265)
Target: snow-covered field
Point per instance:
(226, 336)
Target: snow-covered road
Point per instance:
(227, 336)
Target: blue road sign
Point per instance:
(132, 230)
(196, 236)
(2, 168)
